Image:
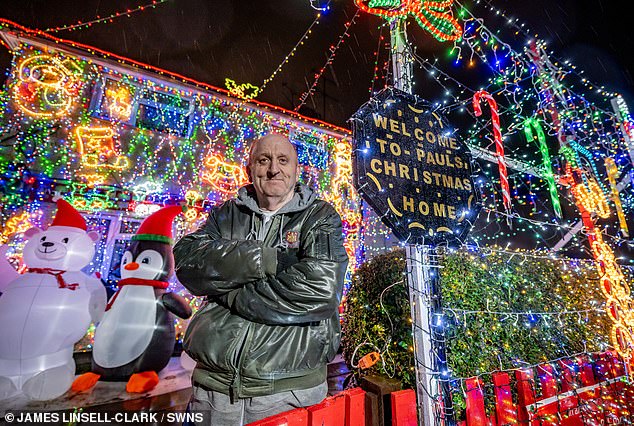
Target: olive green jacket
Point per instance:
(260, 332)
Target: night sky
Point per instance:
(247, 40)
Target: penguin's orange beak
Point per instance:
(132, 266)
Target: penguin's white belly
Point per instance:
(40, 318)
(126, 328)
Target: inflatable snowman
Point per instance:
(46, 310)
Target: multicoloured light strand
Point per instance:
(110, 18)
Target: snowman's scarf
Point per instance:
(57, 273)
(136, 281)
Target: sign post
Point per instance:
(402, 62)
(429, 356)
(411, 168)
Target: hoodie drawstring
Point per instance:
(251, 235)
(283, 243)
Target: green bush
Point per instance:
(501, 311)
(377, 318)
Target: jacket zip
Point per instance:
(236, 383)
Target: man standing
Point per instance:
(271, 264)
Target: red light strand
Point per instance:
(333, 50)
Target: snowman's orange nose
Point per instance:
(131, 266)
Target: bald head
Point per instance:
(268, 140)
(273, 169)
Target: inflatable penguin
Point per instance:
(48, 309)
(135, 339)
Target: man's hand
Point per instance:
(285, 259)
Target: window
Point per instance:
(165, 113)
(117, 100)
(310, 150)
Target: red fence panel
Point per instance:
(344, 409)
(613, 389)
(568, 399)
(573, 392)
(525, 395)
(548, 405)
(568, 374)
(298, 417)
(590, 404)
(328, 412)
(476, 415)
(404, 412)
(355, 407)
(505, 408)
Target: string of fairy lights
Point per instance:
(520, 87)
(292, 52)
(512, 130)
(106, 19)
(137, 142)
(333, 51)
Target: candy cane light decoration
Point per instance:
(529, 125)
(590, 201)
(499, 146)
(613, 174)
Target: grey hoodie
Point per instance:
(303, 197)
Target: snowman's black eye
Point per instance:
(65, 240)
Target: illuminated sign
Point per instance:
(412, 169)
(46, 86)
(96, 147)
(223, 176)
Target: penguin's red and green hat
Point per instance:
(158, 225)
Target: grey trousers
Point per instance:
(247, 410)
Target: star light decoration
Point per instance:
(244, 91)
(434, 16)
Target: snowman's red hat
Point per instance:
(67, 215)
(158, 225)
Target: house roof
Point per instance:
(12, 35)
